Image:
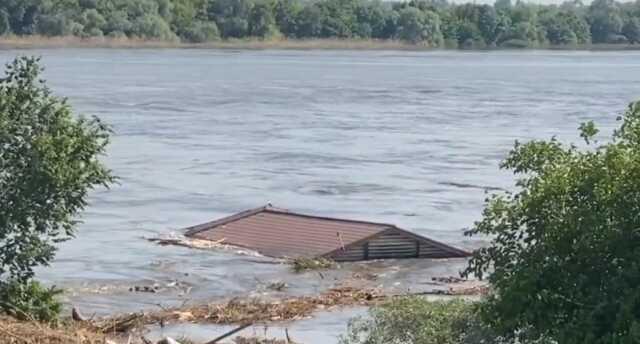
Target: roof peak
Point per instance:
(270, 208)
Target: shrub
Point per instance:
(117, 21)
(93, 32)
(420, 27)
(76, 28)
(117, 34)
(235, 27)
(515, 43)
(49, 161)
(200, 32)
(152, 27)
(30, 301)
(564, 256)
(52, 25)
(415, 320)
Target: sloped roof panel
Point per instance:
(280, 233)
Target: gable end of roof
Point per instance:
(452, 251)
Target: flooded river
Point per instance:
(408, 138)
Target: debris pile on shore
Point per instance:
(251, 310)
(13, 331)
(254, 310)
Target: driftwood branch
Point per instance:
(230, 333)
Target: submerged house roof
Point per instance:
(281, 233)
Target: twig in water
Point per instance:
(230, 333)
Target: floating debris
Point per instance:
(145, 289)
(448, 280)
(250, 310)
(277, 286)
(173, 239)
(303, 264)
(255, 310)
(256, 340)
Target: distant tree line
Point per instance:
(435, 23)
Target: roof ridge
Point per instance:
(271, 209)
(288, 212)
(231, 218)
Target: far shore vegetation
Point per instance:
(319, 24)
(252, 43)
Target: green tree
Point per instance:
(262, 22)
(487, 23)
(631, 29)
(579, 26)
(186, 13)
(52, 25)
(141, 8)
(503, 28)
(152, 27)
(200, 32)
(469, 35)
(559, 30)
(49, 161)
(371, 19)
(5, 23)
(231, 16)
(418, 26)
(449, 26)
(521, 35)
(338, 18)
(605, 20)
(22, 15)
(117, 21)
(309, 22)
(286, 14)
(564, 257)
(93, 22)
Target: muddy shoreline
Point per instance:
(61, 42)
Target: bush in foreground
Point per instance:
(30, 301)
(415, 320)
(564, 259)
(49, 161)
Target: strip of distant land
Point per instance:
(40, 42)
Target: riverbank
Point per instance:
(39, 42)
(237, 313)
(33, 42)
(13, 331)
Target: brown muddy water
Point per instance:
(410, 138)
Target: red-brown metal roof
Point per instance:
(280, 233)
